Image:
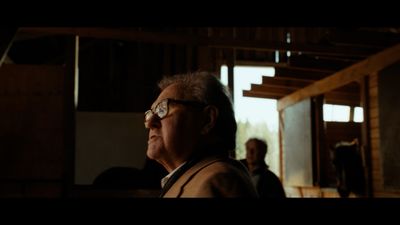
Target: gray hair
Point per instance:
(206, 88)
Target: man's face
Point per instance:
(173, 138)
(253, 154)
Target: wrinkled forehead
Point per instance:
(174, 91)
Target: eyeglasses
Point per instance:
(161, 109)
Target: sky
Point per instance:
(254, 110)
(257, 110)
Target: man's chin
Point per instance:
(152, 153)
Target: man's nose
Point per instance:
(152, 122)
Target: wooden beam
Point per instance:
(285, 81)
(330, 98)
(343, 98)
(353, 87)
(343, 77)
(215, 42)
(350, 94)
(262, 94)
(284, 90)
(308, 61)
(241, 62)
(6, 40)
(300, 73)
(116, 34)
(281, 46)
(364, 38)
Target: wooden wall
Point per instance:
(384, 136)
(377, 181)
(32, 156)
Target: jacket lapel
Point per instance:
(176, 189)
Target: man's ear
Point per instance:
(210, 118)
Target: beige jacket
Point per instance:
(213, 177)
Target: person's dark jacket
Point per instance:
(268, 185)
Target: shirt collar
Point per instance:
(166, 178)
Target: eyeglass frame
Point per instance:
(152, 112)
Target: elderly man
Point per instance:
(192, 129)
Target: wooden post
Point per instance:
(366, 136)
(231, 64)
(318, 137)
(70, 105)
(281, 156)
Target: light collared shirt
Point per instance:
(166, 178)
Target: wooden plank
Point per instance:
(311, 61)
(363, 38)
(300, 83)
(215, 42)
(373, 80)
(389, 124)
(288, 81)
(281, 65)
(280, 46)
(31, 134)
(387, 194)
(203, 55)
(378, 188)
(352, 87)
(374, 122)
(373, 113)
(374, 144)
(343, 77)
(375, 154)
(342, 98)
(373, 91)
(280, 90)
(376, 174)
(330, 98)
(366, 135)
(373, 102)
(261, 95)
(242, 62)
(286, 88)
(302, 73)
(374, 133)
(7, 36)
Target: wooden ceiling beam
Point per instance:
(329, 98)
(346, 93)
(352, 87)
(362, 38)
(215, 42)
(353, 73)
(307, 61)
(285, 81)
(261, 94)
(280, 90)
(300, 73)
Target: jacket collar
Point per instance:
(176, 188)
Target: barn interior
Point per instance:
(72, 101)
